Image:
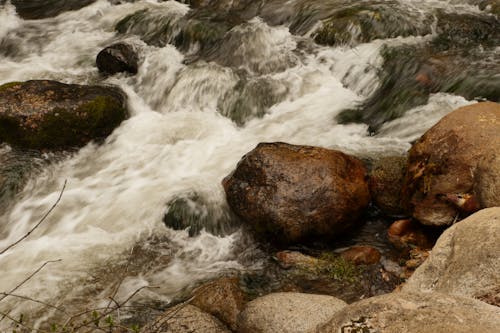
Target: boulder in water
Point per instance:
(289, 192)
(361, 255)
(48, 114)
(443, 180)
(117, 58)
(415, 313)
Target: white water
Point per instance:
(175, 142)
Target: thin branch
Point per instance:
(20, 323)
(29, 277)
(34, 301)
(38, 224)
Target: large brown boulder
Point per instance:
(415, 313)
(50, 114)
(443, 180)
(465, 260)
(291, 192)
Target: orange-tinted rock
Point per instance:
(444, 166)
(404, 233)
(289, 193)
(361, 255)
(221, 298)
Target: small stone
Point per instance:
(117, 58)
(406, 233)
(361, 255)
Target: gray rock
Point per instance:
(185, 318)
(415, 313)
(287, 313)
(465, 260)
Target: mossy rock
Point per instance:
(48, 114)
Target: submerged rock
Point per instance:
(117, 58)
(461, 60)
(289, 193)
(36, 9)
(50, 114)
(415, 313)
(185, 318)
(222, 298)
(442, 178)
(361, 23)
(465, 259)
(287, 313)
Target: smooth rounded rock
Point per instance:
(361, 255)
(465, 260)
(289, 193)
(287, 313)
(415, 313)
(185, 318)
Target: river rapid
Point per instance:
(192, 118)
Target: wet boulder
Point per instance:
(48, 114)
(408, 233)
(287, 313)
(117, 58)
(185, 318)
(289, 193)
(441, 183)
(465, 259)
(386, 181)
(36, 9)
(415, 313)
(221, 298)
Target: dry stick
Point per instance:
(20, 323)
(38, 224)
(35, 301)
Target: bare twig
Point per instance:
(29, 277)
(20, 323)
(34, 301)
(38, 224)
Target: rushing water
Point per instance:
(183, 137)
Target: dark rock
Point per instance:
(222, 298)
(443, 173)
(195, 213)
(415, 313)
(50, 114)
(120, 57)
(386, 181)
(39, 9)
(289, 192)
(361, 255)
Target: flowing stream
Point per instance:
(182, 138)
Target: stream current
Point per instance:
(107, 230)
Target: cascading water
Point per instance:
(192, 118)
